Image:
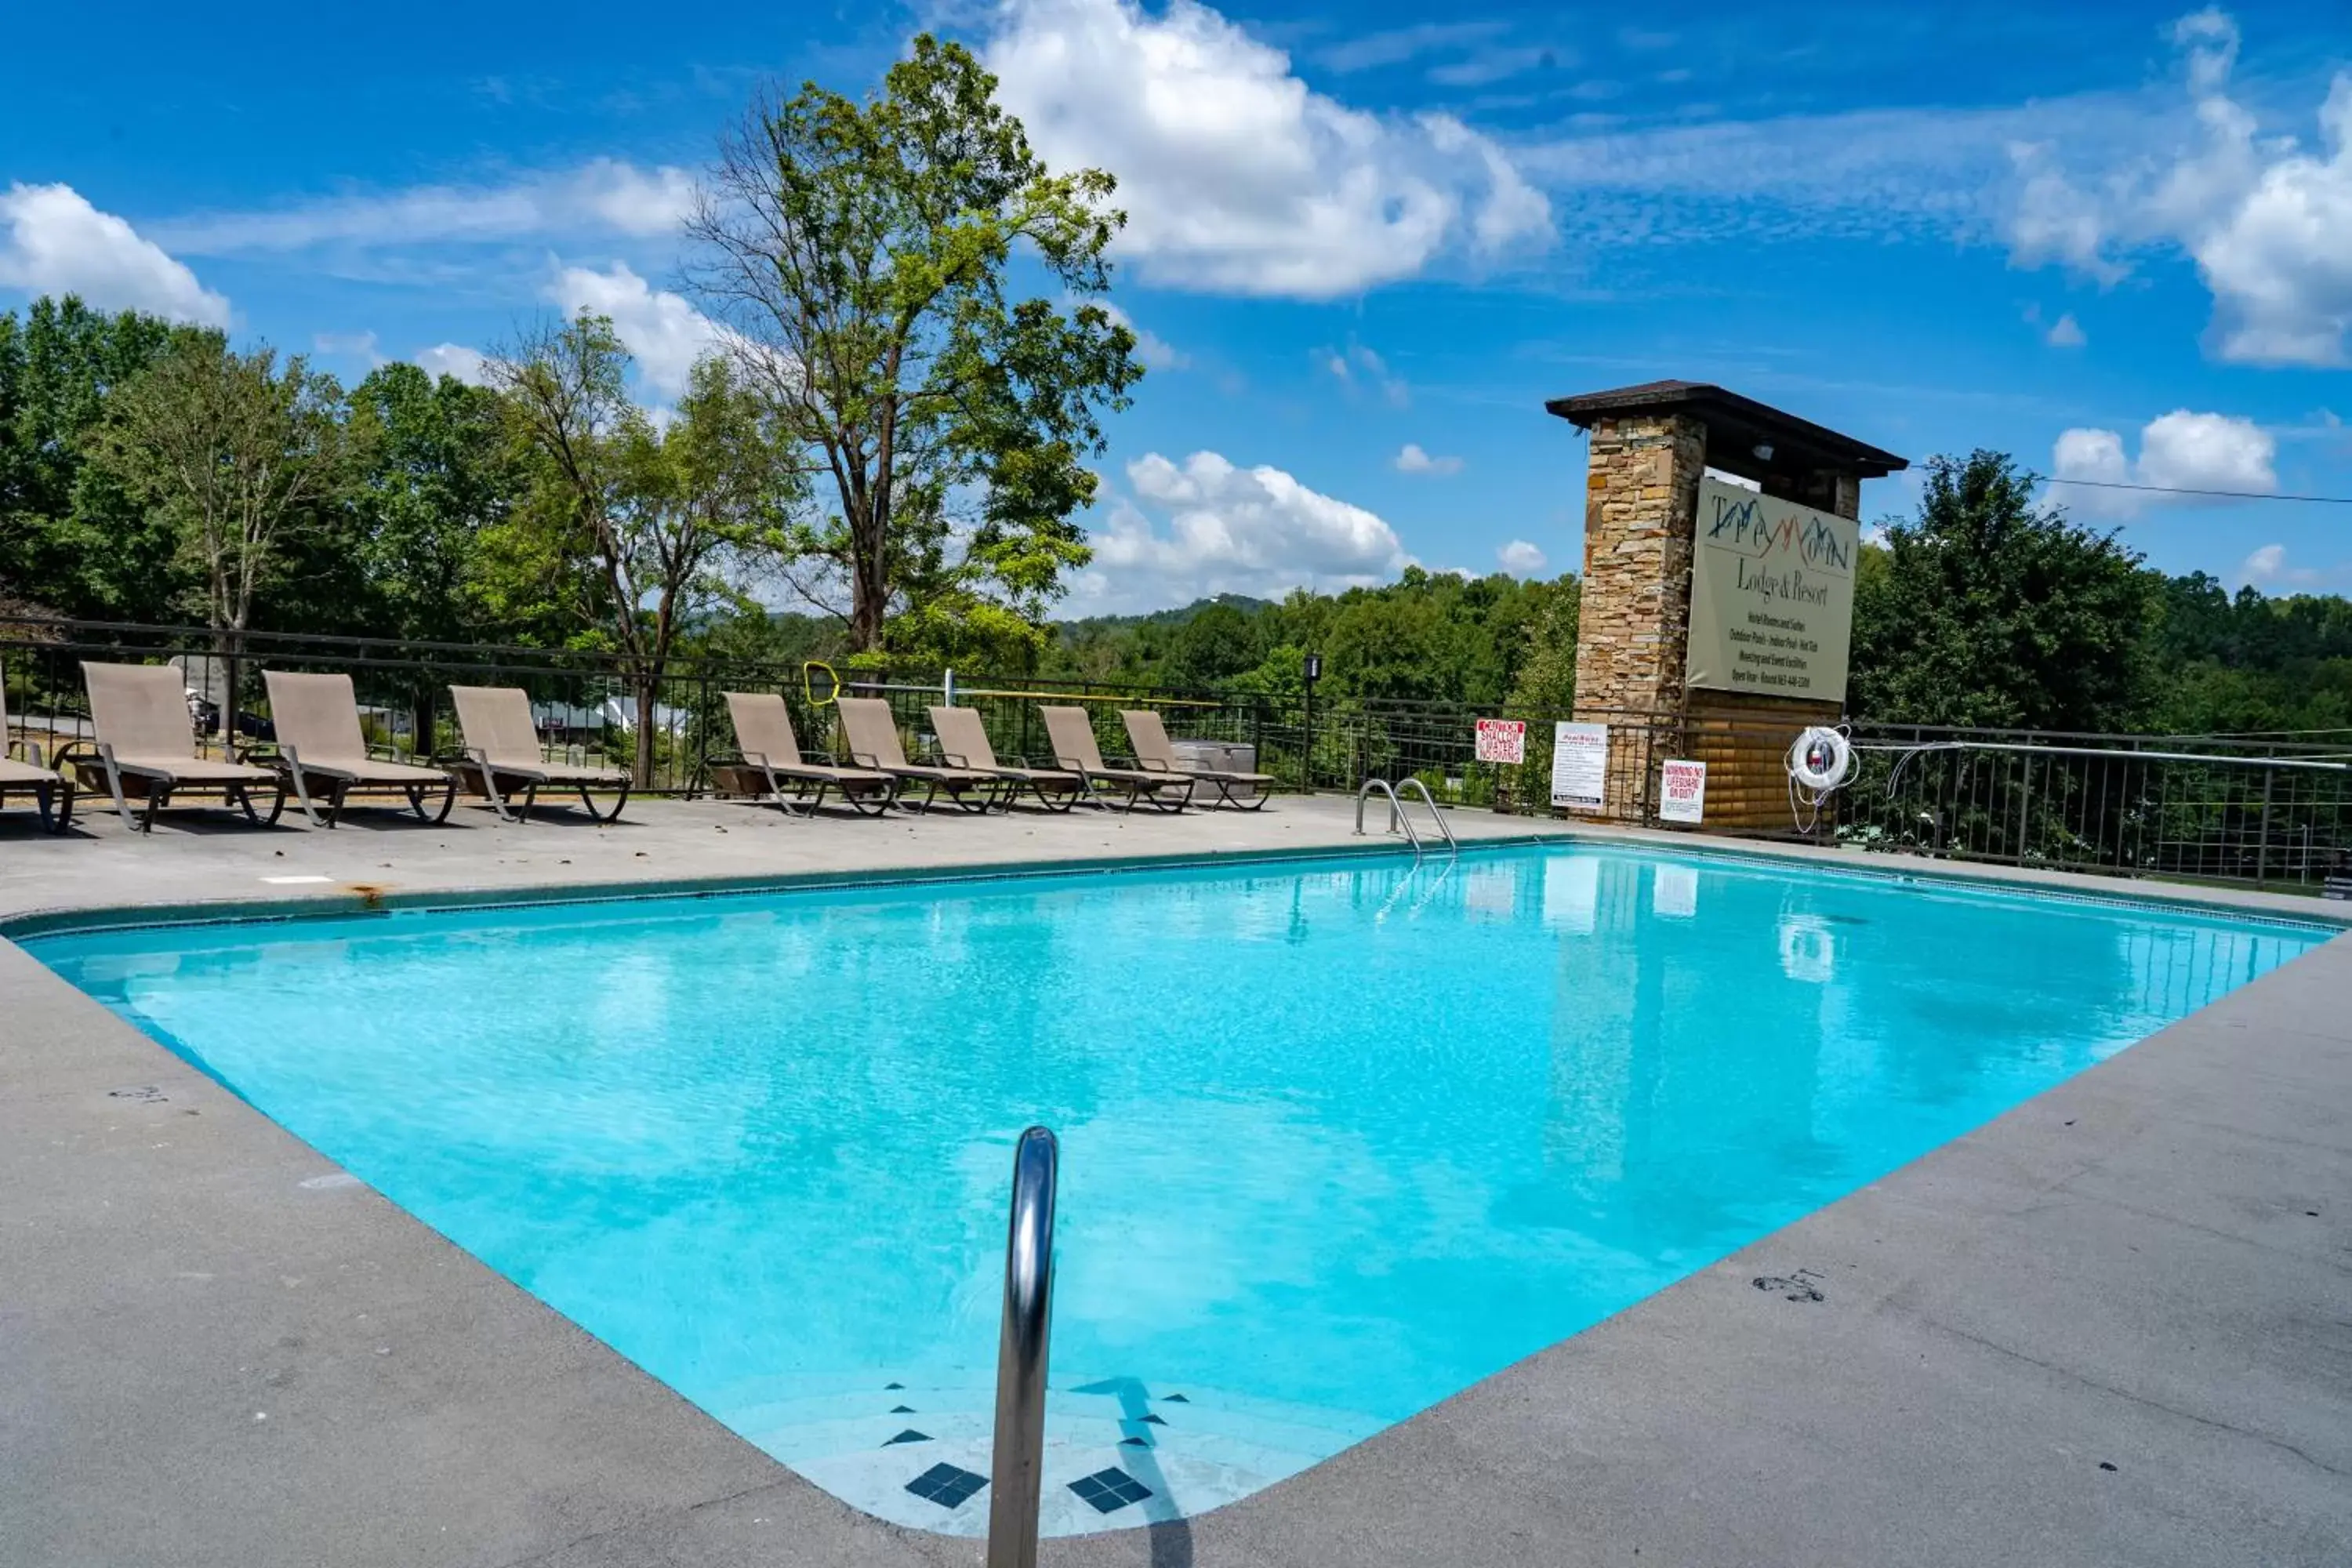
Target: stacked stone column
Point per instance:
(1640, 507)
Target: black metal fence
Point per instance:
(2270, 811)
(590, 705)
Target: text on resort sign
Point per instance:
(1771, 607)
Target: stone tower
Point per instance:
(1635, 669)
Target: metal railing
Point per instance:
(2271, 812)
(1018, 1463)
(1397, 819)
(591, 706)
(2265, 810)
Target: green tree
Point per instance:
(629, 532)
(860, 252)
(432, 471)
(70, 541)
(1545, 679)
(1217, 643)
(236, 452)
(1983, 610)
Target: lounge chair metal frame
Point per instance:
(341, 786)
(765, 718)
(1020, 774)
(1138, 783)
(147, 713)
(52, 791)
(807, 789)
(507, 731)
(320, 749)
(489, 775)
(1223, 783)
(993, 792)
(160, 786)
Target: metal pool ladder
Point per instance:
(1397, 816)
(1017, 1465)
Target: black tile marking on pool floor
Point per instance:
(950, 1486)
(1155, 1420)
(909, 1436)
(1135, 1442)
(902, 1410)
(1107, 1491)
(887, 1387)
(1175, 1399)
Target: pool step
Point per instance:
(1118, 1452)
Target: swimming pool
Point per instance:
(1340, 1137)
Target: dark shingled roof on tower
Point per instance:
(1736, 427)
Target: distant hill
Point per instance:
(1175, 617)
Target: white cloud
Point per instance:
(469, 365)
(52, 241)
(1412, 460)
(665, 332)
(2180, 450)
(2267, 220)
(1154, 352)
(1521, 559)
(2268, 567)
(1235, 175)
(355, 345)
(1357, 366)
(1398, 45)
(603, 195)
(2207, 451)
(2065, 333)
(1207, 527)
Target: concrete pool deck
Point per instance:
(2107, 1328)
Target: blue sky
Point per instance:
(1364, 245)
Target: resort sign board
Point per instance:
(1580, 765)
(1771, 605)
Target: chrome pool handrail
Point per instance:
(1396, 812)
(1017, 1466)
(1430, 801)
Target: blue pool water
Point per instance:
(1339, 1138)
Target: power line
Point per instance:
(2184, 490)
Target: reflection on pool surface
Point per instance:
(1339, 1138)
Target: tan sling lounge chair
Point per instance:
(138, 714)
(1155, 753)
(963, 744)
(502, 754)
(22, 769)
(1073, 733)
(320, 750)
(872, 735)
(769, 766)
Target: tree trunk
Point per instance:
(648, 687)
(422, 741)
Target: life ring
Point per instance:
(1821, 761)
(820, 695)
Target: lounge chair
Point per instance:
(1073, 733)
(964, 743)
(501, 755)
(768, 765)
(22, 769)
(139, 715)
(320, 750)
(872, 735)
(1154, 752)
